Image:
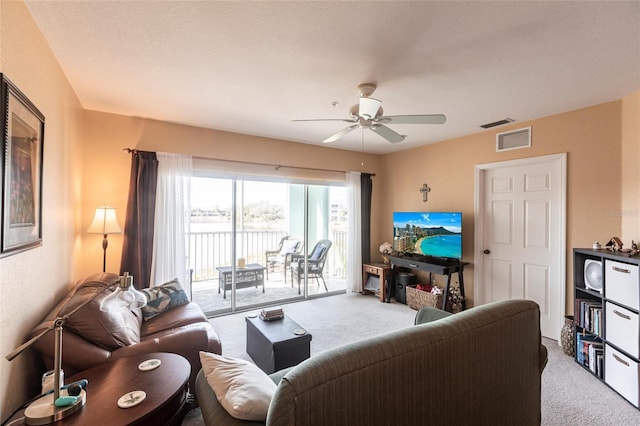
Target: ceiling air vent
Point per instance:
(513, 139)
(497, 123)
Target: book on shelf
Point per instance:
(588, 315)
(600, 364)
(588, 347)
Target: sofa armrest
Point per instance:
(543, 357)
(429, 314)
(77, 353)
(178, 316)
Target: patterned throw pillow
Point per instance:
(162, 298)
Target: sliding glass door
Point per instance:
(266, 242)
(252, 242)
(211, 242)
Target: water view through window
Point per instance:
(269, 242)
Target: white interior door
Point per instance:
(520, 235)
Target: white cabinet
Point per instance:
(608, 321)
(621, 283)
(621, 328)
(621, 373)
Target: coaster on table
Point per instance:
(299, 331)
(131, 399)
(149, 364)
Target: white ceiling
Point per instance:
(252, 67)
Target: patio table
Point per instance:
(252, 275)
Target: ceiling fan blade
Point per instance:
(414, 119)
(369, 107)
(340, 134)
(346, 120)
(387, 133)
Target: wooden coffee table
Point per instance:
(166, 389)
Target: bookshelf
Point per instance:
(606, 313)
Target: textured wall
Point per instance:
(630, 210)
(32, 280)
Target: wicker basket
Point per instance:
(417, 299)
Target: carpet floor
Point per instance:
(570, 395)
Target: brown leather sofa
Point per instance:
(91, 337)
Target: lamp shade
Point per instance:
(104, 221)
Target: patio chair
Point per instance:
(287, 247)
(315, 264)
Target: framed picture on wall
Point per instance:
(21, 168)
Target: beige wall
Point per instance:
(31, 281)
(107, 166)
(630, 211)
(590, 136)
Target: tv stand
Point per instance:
(433, 265)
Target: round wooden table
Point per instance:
(166, 389)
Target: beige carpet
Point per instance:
(570, 395)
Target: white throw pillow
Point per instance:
(288, 246)
(241, 387)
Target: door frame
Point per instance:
(480, 172)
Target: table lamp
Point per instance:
(51, 407)
(105, 223)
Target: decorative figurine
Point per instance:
(614, 244)
(386, 249)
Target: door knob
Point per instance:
(487, 251)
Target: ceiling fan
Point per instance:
(368, 115)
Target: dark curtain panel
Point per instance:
(366, 189)
(137, 249)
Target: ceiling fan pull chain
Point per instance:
(362, 131)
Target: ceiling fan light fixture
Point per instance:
(367, 89)
(369, 107)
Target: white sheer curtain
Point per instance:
(172, 220)
(354, 242)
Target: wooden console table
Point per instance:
(380, 270)
(433, 265)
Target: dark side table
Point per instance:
(166, 386)
(274, 345)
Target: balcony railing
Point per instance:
(209, 250)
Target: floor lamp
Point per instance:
(105, 223)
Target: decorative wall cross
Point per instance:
(424, 189)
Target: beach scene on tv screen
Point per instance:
(436, 234)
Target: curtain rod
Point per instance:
(276, 166)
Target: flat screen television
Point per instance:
(437, 234)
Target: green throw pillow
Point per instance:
(162, 298)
